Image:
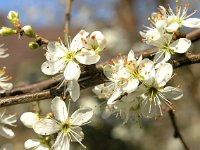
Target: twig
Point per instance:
(185, 59)
(177, 133)
(67, 20)
(94, 77)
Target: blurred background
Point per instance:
(120, 21)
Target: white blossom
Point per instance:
(61, 59)
(92, 46)
(7, 120)
(29, 118)
(172, 21)
(37, 144)
(68, 128)
(3, 53)
(65, 60)
(127, 107)
(125, 74)
(4, 86)
(167, 46)
(154, 94)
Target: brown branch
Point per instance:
(67, 20)
(88, 79)
(177, 133)
(36, 87)
(185, 59)
(96, 79)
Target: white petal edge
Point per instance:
(181, 45)
(46, 127)
(87, 57)
(29, 118)
(59, 109)
(172, 93)
(117, 93)
(7, 133)
(80, 116)
(31, 143)
(72, 71)
(172, 27)
(164, 74)
(51, 68)
(74, 89)
(192, 23)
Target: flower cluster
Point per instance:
(84, 49)
(58, 129)
(164, 30)
(137, 87)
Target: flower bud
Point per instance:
(28, 30)
(13, 17)
(33, 45)
(7, 31)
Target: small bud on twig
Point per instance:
(7, 31)
(33, 45)
(28, 30)
(13, 17)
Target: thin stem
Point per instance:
(67, 20)
(177, 133)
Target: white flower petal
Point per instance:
(181, 45)
(31, 143)
(150, 109)
(172, 27)
(29, 118)
(42, 147)
(62, 142)
(72, 71)
(146, 69)
(192, 22)
(87, 57)
(76, 43)
(160, 24)
(80, 116)
(164, 74)
(51, 68)
(79, 136)
(56, 47)
(5, 132)
(131, 56)
(100, 39)
(74, 89)
(46, 127)
(117, 93)
(59, 109)
(172, 93)
(6, 86)
(131, 86)
(55, 51)
(159, 57)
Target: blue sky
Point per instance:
(41, 13)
